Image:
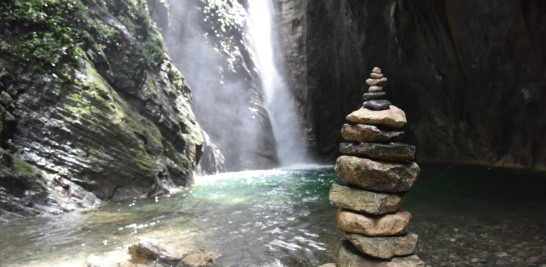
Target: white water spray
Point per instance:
(278, 100)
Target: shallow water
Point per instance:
(465, 216)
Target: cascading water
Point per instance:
(278, 100)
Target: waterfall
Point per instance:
(278, 100)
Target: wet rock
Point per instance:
(201, 259)
(154, 249)
(384, 225)
(384, 247)
(364, 201)
(347, 255)
(368, 133)
(392, 118)
(374, 95)
(391, 151)
(376, 175)
(379, 104)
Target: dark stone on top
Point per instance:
(391, 152)
(374, 95)
(377, 104)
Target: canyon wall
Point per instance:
(470, 75)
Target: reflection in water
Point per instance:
(464, 215)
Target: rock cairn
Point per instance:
(379, 172)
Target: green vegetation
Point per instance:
(51, 36)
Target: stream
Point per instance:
(465, 216)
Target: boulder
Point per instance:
(390, 152)
(385, 225)
(377, 175)
(384, 247)
(393, 117)
(368, 133)
(346, 255)
(364, 201)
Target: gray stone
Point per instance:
(154, 249)
(368, 133)
(384, 247)
(377, 175)
(391, 151)
(374, 95)
(394, 224)
(377, 104)
(346, 255)
(364, 201)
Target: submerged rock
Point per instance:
(154, 249)
(365, 201)
(201, 259)
(377, 176)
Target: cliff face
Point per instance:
(207, 41)
(92, 108)
(470, 75)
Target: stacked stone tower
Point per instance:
(379, 172)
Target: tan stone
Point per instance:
(376, 75)
(385, 225)
(154, 249)
(346, 255)
(393, 117)
(375, 88)
(384, 247)
(376, 70)
(368, 133)
(378, 176)
(365, 201)
(372, 81)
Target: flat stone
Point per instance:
(376, 70)
(370, 225)
(329, 265)
(374, 95)
(393, 117)
(374, 89)
(379, 82)
(391, 151)
(201, 259)
(377, 176)
(364, 201)
(376, 75)
(368, 133)
(346, 255)
(384, 247)
(377, 104)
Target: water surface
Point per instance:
(465, 216)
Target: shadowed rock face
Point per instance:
(112, 119)
(469, 75)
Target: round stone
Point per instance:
(375, 88)
(379, 82)
(377, 104)
(376, 70)
(376, 75)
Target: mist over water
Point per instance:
(278, 100)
